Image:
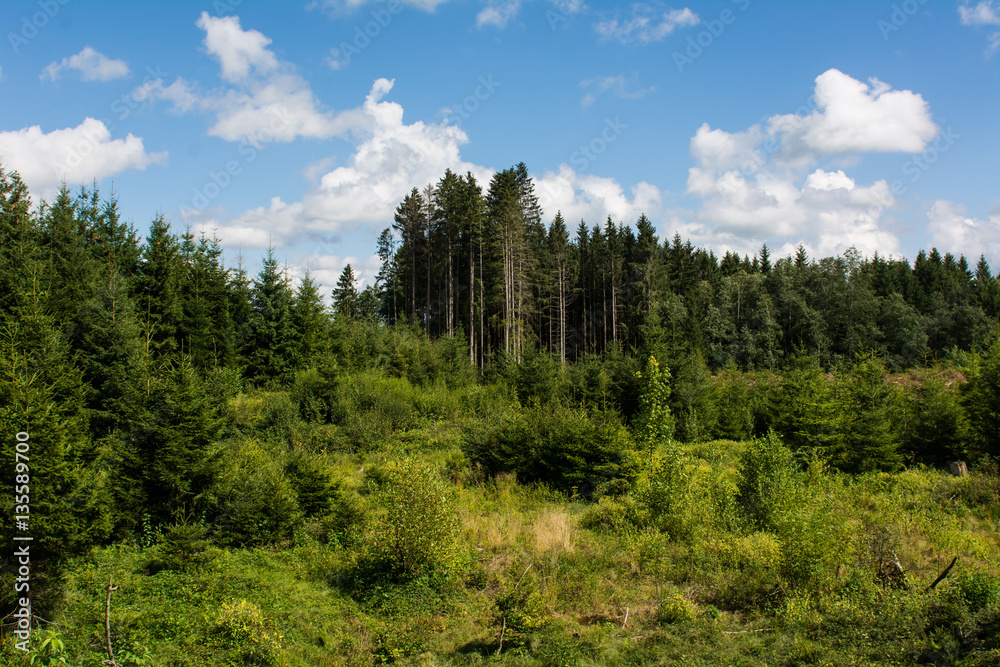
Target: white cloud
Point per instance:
(854, 117)
(267, 101)
(336, 60)
(498, 14)
(645, 23)
(340, 7)
(388, 160)
(237, 50)
(593, 198)
(766, 182)
(92, 66)
(953, 231)
(393, 157)
(620, 86)
(986, 12)
(76, 155)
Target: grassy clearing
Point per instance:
(790, 565)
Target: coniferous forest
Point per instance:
(532, 441)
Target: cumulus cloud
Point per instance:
(644, 23)
(952, 230)
(986, 13)
(90, 64)
(267, 99)
(237, 50)
(855, 117)
(594, 198)
(498, 14)
(75, 155)
(768, 182)
(620, 86)
(390, 159)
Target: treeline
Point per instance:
(458, 259)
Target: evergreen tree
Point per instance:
(109, 352)
(868, 433)
(981, 397)
(42, 406)
(272, 355)
(173, 459)
(17, 240)
(345, 294)
(309, 322)
(158, 291)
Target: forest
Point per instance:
(516, 446)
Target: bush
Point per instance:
(255, 503)
(418, 528)
(677, 609)
(241, 626)
(557, 445)
(184, 547)
(978, 590)
(665, 492)
(766, 481)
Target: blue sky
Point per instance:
(738, 122)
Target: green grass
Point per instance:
(582, 583)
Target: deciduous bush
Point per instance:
(417, 529)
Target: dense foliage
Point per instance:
(515, 446)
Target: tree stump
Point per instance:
(958, 468)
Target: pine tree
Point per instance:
(240, 298)
(69, 267)
(388, 276)
(272, 355)
(309, 322)
(18, 245)
(868, 433)
(109, 352)
(42, 406)
(981, 397)
(173, 454)
(345, 294)
(158, 290)
(409, 221)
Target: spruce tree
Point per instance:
(159, 291)
(345, 294)
(981, 397)
(309, 323)
(272, 353)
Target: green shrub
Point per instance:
(677, 609)
(254, 502)
(518, 611)
(978, 590)
(241, 626)
(418, 528)
(766, 481)
(184, 547)
(314, 484)
(556, 445)
(665, 492)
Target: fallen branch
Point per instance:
(107, 625)
(502, 631)
(942, 575)
(743, 632)
(626, 617)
